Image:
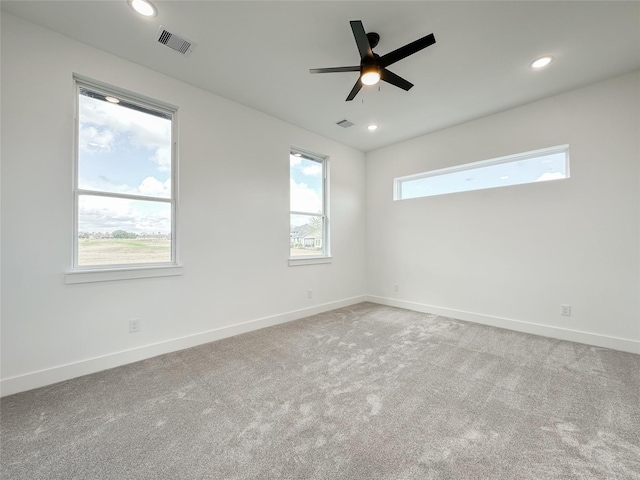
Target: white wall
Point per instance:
(507, 257)
(511, 256)
(234, 189)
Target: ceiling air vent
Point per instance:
(175, 42)
(344, 123)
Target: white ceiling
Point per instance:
(259, 54)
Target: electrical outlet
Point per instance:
(396, 288)
(565, 310)
(134, 325)
(309, 293)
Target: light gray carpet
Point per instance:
(365, 392)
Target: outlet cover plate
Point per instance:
(134, 325)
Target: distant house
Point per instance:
(305, 236)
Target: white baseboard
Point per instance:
(41, 378)
(614, 343)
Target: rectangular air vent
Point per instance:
(175, 42)
(344, 123)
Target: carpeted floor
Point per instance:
(364, 392)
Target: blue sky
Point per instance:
(529, 170)
(306, 187)
(121, 150)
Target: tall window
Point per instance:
(529, 167)
(309, 224)
(124, 188)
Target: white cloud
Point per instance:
(147, 130)
(92, 140)
(150, 186)
(153, 187)
(99, 214)
(162, 158)
(550, 176)
(104, 184)
(312, 170)
(305, 166)
(102, 214)
(304, 199)
(142, 129)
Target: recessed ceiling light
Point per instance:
(143, 7)
(542, 62)
(372, 127)
(111, 99)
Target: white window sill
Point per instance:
(294, 262)
(107, 275)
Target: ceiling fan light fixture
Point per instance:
(143, 7)
(370, 76)
(541, 62)
(372, 127)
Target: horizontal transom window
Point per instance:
(529, 167)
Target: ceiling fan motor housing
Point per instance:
(374, 38)
(369, 64)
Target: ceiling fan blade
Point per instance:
(394, 79)
(408, 49)
(361, 39)
(334, 69)
(354, 91)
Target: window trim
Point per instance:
(92, 273)
(129, 273)
(325, 257)
(398, 181)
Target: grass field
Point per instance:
(113, 251)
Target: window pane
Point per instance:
(513, 171)
(122, 149)
(116, 231)
(306, 185)
(307, 235)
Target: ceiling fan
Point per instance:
(373, 67)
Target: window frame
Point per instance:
(325, 256)
(116, 271)
(398, 181)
